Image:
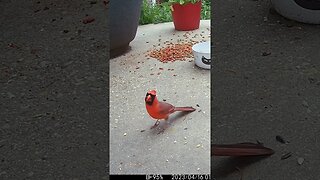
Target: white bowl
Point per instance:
(202, 56)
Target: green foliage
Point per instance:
(183, 1)
(161, 13)
(206, 9)
(155, 14)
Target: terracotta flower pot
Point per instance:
(186, 17)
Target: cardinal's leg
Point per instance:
(165, 126)
(156, 124)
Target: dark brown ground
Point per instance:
(53, 86)
(266, 82)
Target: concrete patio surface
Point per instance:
(184, 146)
(53, 84)
(266, 80)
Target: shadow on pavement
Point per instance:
(168, 123)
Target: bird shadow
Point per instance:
(231, 164)
(164, 125)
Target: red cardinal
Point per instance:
(161, 110)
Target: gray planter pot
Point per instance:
(124, 20)
(306, 11)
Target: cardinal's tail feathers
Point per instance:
(242, 149)
(185, 109)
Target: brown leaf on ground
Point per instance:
(87, 20)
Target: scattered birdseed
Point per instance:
(281, 140)
(286, 156)
(173, 52)
(305, 104)
(259, 142)
(266, 53)
(300, 160)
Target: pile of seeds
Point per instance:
(172, 52)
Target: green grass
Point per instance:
(206, 9)
(162, 13)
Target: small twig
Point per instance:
(230, 70)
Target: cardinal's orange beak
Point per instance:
(148, 99)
